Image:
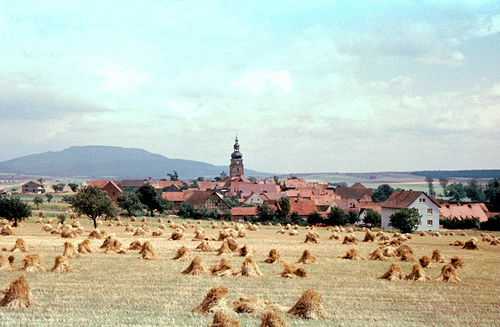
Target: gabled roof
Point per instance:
(403, 199)
(112, 185)
(303, 207)
(132, 183)
(353, 192)
(177, 196)
(199, 198)
(98, 183)
(161, 184)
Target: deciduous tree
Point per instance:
(129, 202)
(13, 209)
(93, 202)
(406, 219)
(382, 193)
(149, 197)
(37, 201)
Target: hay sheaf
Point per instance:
(308, 306)
(456, 262)
(249, 268)
(231, 243)
(394, 273)
(402, 249)
(7, 231)
(352, 254)
(20, 246)
(140, 232)
(224, 249)
(18, 295)
(272, 318)
(350, 239)
(437, 256)
(407, 256)
(448, 275)
(292, 271)
(112, 245)
(334, 236)
(135, 245)
(274, 257)
(70, 251)
(254, 305)
(157, 233)
(177, 235)
(31, 263)
(246, 251)
(311, 237)
(68, 232)
(369, 236)
(471, 244)
(425, 262)
(129, 228)
(182, 254)
(222, 269)
(199, 234)
(47, 228)
(457, 243)
(222, 318)
(307, 258)
(216, 299)
(378, 254)
(84, 247)
(97, 234)
(61, 265)
(6, 263)
(418, 274)
(195, 268)
(205, 247)
(147, 251)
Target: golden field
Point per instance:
(121, 289)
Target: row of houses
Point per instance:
(305, 198)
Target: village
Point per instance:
(238, 198)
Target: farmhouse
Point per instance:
(33, 187)
(210, 200)
(427, 207)
(110, 187)
(462, 211)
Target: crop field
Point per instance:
(121, 289)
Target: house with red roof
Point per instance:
(427, 207)
(243, 213)
(210, 200)
(111, 188)
(356, 191)
(465, 210)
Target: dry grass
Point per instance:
(138, 292)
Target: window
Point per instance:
(421, 200)
(429, 211)
(429, 222)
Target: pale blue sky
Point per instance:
(316, 86)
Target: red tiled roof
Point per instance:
(98, 183)
(199, 198)
(353, 192)
(177, 196)
(461, 211)
(303, 207)
(403, 199)
(244, 211)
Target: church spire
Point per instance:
(236, 166)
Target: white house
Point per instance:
(427, 207)
(33, 187)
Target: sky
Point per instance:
(308, 86)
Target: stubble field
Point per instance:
(121, 289)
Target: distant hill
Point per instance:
(107, 162)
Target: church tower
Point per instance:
(236, 166)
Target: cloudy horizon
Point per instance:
(322, 86)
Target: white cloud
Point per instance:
(259, 81)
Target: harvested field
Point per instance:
(155, 292)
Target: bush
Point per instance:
(466, 223)
(337, 217)
(493, 223)
(315, 218)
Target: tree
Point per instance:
(444, 183)
(232, 201)
(174, 176)
(284, 207)
(201, 179)
(73, 186)
(314, 218)
(167, 205)
(492, 224)
(492, 192)
(37, 201)
(227, 215)
(194, 184)
(373, 218)
(265, 213)
(382, 193)
(186, 210)
(337, 217)
(58, 187)
(148, 196)
(429, 181)
(475, 191)
(49, 197)
(93, 202)
(13, 209)
(129, 202)
(456, 191)
(352, 217)
(406, 219)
